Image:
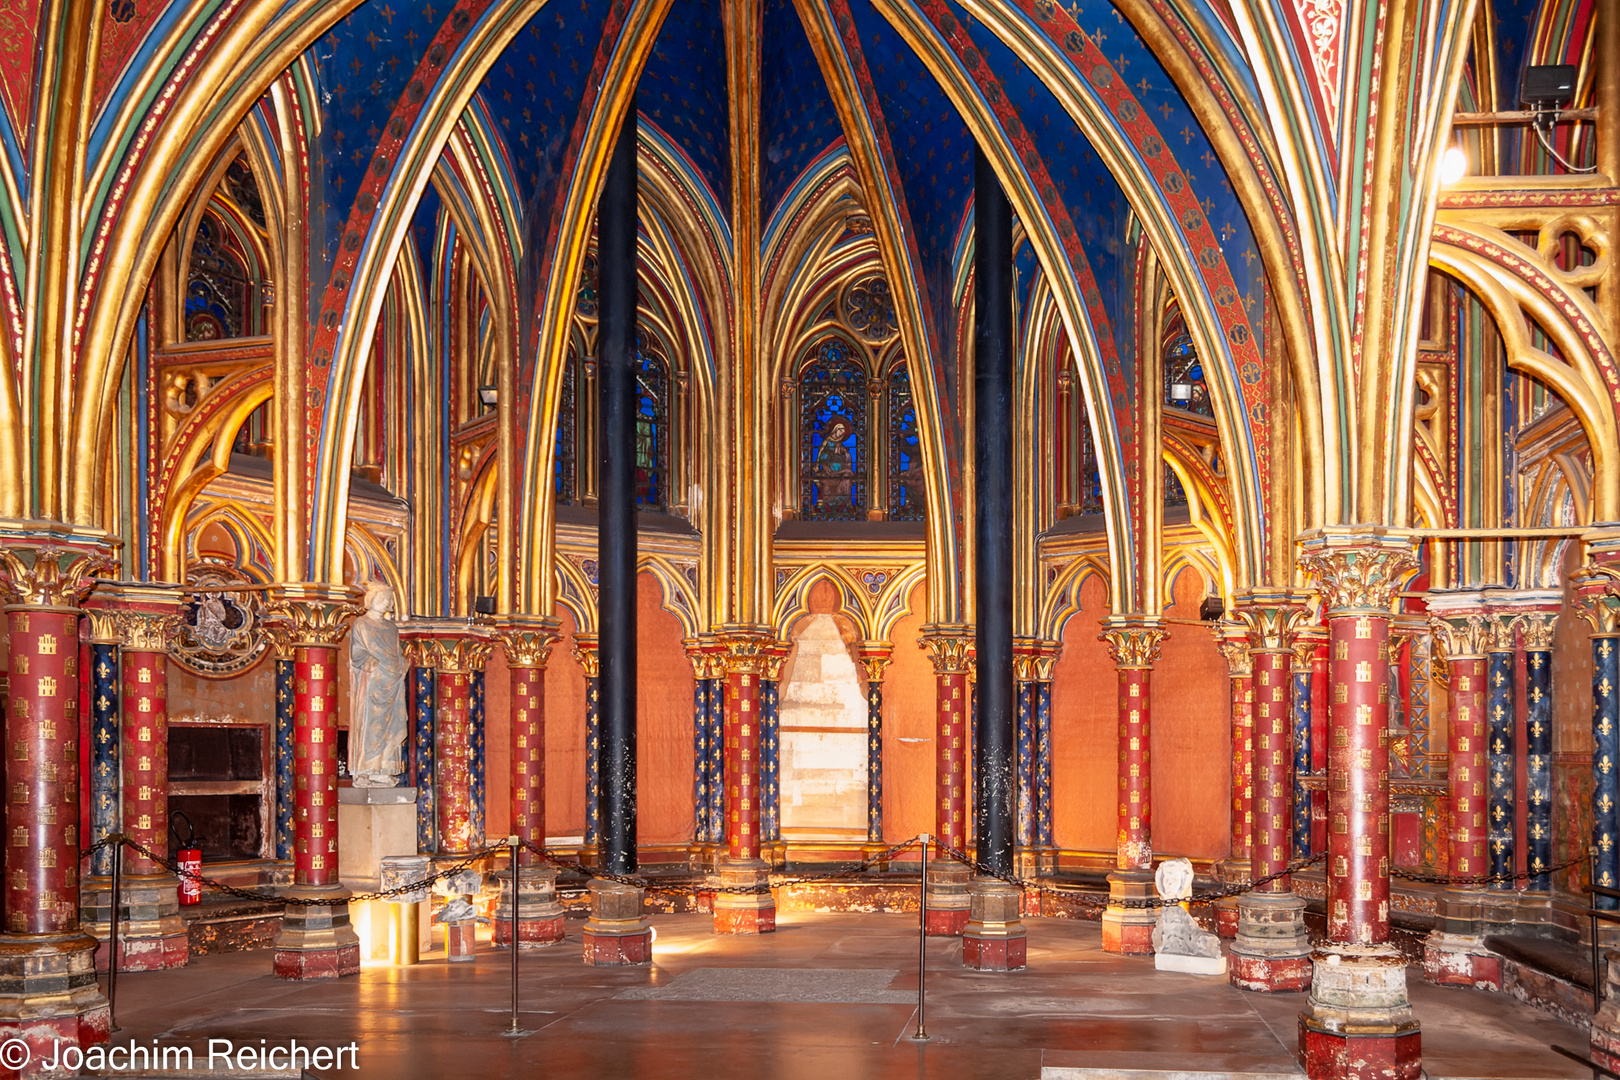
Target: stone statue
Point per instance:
(1179, 943)
(379, 721)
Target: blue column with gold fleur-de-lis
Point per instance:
(874, 657)
(1538, 634)
(1501, 790)
(424, 694)
(770, 752)
(286, 718)
(476, 765)
(700, 759)
(1305, 645)
(104, 768)
(717, 761)
(1606, 762)
(585, 651)
(1024, 821)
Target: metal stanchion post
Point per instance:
(112, 938)
(921, 1034)
(512, 845)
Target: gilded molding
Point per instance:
(149, 631)
(1538, 627)
(776, 654)
(951, 647)
(707, 662)
(460, 651)
(1534, 612)
(314, 614)
(1271, 617)
(1357, 571)
(102, 626)
(282, 641)
(585, 651)
(874, 656)
(1133, 640)
(527, 643)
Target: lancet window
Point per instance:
(652, 425)
(1184, 386)
(834, 451)
(906, 492)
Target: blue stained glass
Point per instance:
(832, 435)
(906, 498)
(652, 428)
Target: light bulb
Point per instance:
(1453, 166)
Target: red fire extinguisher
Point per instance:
(188, 857)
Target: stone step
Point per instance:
(1552, 974)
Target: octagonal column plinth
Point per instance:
(1133, 642)
(48, 991)
(1271, 951)
(1454, 953)
(951, 648)
(994, 938)
(316, 940)
(1358, 1023)
(540, 916)
(616, 934)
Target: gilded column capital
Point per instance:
(706, 656)
(1307, 639)
(745, 650)
(951, 647)
(1232, 642)
(314, 613)
(527, 641)
(1461, 626)
(1034, 658)
(281, 637)
(1271, 617)
(44, 564)
(146, 618)
(452, 645)
(776, 654)
(1133, 640)
(874, 656)
(1357, 570)
(585, 650)
(101, 624)
(1597, 596)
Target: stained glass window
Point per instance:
(906, 497)
(567, 444)
(833, 454)
(219, 297)
(1174, 493)
(1184, 386)
(1091, 497)
(652, 426)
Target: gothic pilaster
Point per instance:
(457, 651)
(1233, 643)
(746, 657)
(772, 849)
(527, 645)
(1307, 642)
(1133, 642)
(589, 658)
(1358, 1006)
(874, 658)
(951, 648)
(1033, 662)
(1537, 625)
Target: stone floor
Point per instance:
(827, 997)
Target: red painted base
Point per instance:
(1226, 920)
(532, 933)
(1331, 1055)
(617, 950)
(1448, 967)
(995, 954)
(148, 954)
(1129, 939)
(1269, 974)
(460, 942)
(45, 1036)
(318, 963)
(745, 920)
(946, 922)
(1605, 1048)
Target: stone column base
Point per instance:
(1272, 952)
(1461, 960)
(151, 934)
(540, 916)
(1226, 917)
(1606, 1024)
(948, 901)
(870, 850)
(616, 934)
(994, 938)
(774, 854)
(50, 994)
(316, 940)
(744, 913)
(1359, 1023)
(1129, 930)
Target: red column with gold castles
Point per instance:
(1133, 642)
(47, 963)
(152, 935)
(745, 656)
(1233, 642)
(952, 650)
(1454, 953)
(527, 644)
(1271, 951)
(316, 940)
(456, 652)
(1358, 1022)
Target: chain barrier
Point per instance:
(277, 898)
(1489, 879)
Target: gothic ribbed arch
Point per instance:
(793, 598)
(247, 532)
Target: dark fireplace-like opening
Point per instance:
(227, 825)
(217, 781)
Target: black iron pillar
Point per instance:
(616, 220)
(994, 786)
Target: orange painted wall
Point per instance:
(565, 736)
(1190, 734)
(908, 713)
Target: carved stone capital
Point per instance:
(950, 645)
(1034, 659)
(586, 651)
(1356, 570)
(745, 650)
(776, 654)
(1307, 639)
(139, 617)
(527, 642)
(1271, 617)
(707, 657)
(1461, 625)
(1232, 641)
(1532, 611)
(281, 640)
(451, 645)
(874, 656)
(1538, 627)
(314, 614)
(50, 565)
(1133, 640)
(1597, 596)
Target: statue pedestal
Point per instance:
(377, 824)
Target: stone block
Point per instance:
(316, 940)
(1461, 960)
(994, 938)
(1359, 1023)
(1337, 1055)
(540, 916)
(49, 995)
(373, 831)
(616, 934)
(1191, 965)
(1271, 952)
(948, 901)
(1129, 930)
